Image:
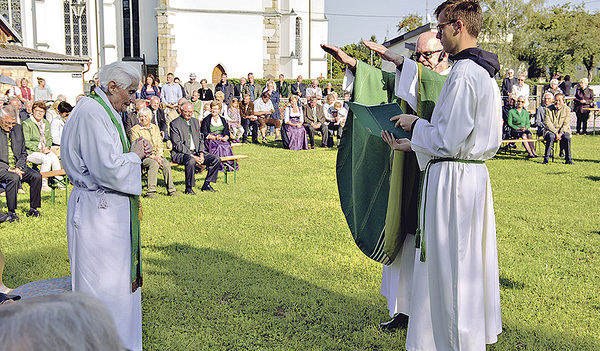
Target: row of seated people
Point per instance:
(552, 120)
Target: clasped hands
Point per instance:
(405, 122)
(141, 147)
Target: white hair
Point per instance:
(8, 111)
(549, 93)
(123, 74)
(68, 321)
(553, 81)
(584, 80)
(145, 111)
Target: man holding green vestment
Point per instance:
(378, 188)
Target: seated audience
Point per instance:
(171, 93)
(38, 140)
(198, 104)
(328, 89)
(584, 98)
(248, 119)
(506, 129)
(176, 112)
(215, 130)
(189, 149)
(521, 89)
(225, 87)
(275, 98)
(314, 90)
(27, 111)
(16, 104)
(314, 120)
(283, 87)
(299, 88)
(518, 120)
(263, 108)
(540, 113)
(205, 93)
(554, 89)
(235, 121)
(150, 89)
(52, 112)
(132, 116)
(145, 129)
(338, 119)
(219, 96)
(158, 117)
(42, 92)
(191, 86)
(252, 88)
(294, 126)
(13, 165)
(557, 122)
(71, 321)
(237, 89)
(57, 124)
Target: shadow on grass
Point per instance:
(593, 178)
(509, 283)
(200, 298)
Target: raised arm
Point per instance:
(385, 54)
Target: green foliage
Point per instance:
(409, 22)
(268, 263)
(359, 52)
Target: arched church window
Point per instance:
(11, 11)
(299, 39)
(76, 27)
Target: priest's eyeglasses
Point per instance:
(426, 54)
(441, 26)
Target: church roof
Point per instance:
(413, 33)
(16, 53)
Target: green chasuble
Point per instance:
(378, 188)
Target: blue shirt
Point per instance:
(171, 93)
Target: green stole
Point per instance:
(378, 188)
(134, 207)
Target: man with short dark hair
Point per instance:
(13, 166)
(314, 120)
(252, 88)
(226, 88)
(456, 290)
(558, 128)
(189, 150)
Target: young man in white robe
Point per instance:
(455, 301)
(99, 212)
(396, 279)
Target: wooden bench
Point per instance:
(53, 185)
(226, 166)
(515, 141)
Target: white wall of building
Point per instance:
(61, 83)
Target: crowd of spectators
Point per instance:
(552, 118)
(32, 120)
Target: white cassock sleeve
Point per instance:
(407, 83)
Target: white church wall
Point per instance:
(112, 25)
(149, 31)
(229, 5)
(202, 43)
(61, 83)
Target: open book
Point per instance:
(377, 118)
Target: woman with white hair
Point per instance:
(584, 98)
(103, 228)
(554, 89)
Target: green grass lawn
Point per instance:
(269, 263)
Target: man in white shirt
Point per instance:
(263, 108)
(521, 89)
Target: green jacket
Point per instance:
(257, 90)
(283, 89)
(517, 120)
(32, 135)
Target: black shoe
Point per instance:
(33, 212)
(4, 217)
(207, 187)
(12, 217)
(562, 153)
(545, 161)
(189, 191)
(400, 321)
(569, 162)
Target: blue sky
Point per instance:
(350, 20)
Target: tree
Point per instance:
(359, 52)
(564, 37)
(410, 22)
(504, 28)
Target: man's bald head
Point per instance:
(429, 45)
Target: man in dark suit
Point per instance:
(13, 166)
(189, 149)
(314, 119)
(27, 111)
(299, 88)
(507, 84)
(226, 88)
(158, 117)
